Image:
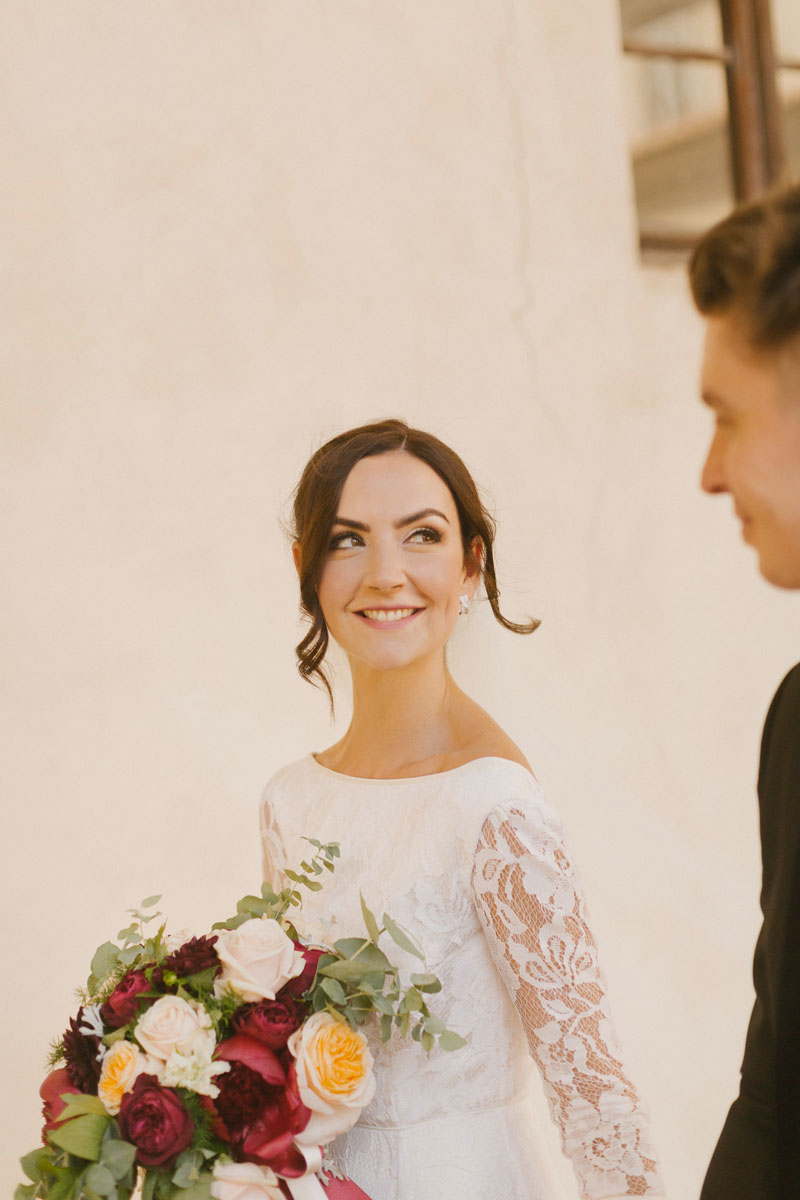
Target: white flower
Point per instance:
(174, 941)
(173, 1023)
(194, 1071)
(92, 1026)
(257, 959)
(244, 1181)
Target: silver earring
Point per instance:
(463, 605)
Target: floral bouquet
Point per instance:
(222, 1065)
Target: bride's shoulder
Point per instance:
(287, 776)
(482, 737)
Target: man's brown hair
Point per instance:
(749, 265)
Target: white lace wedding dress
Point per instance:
(474, 863)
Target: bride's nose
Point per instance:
(385, 567)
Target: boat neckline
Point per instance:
(484, 758)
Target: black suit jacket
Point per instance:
(758, 1153)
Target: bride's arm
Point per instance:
(530, 901)
(273, 854)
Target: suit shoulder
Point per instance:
(780, 742)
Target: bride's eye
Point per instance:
(424, 535)
(345, 541)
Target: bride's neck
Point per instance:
(400, 719)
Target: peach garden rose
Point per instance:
(334, 1075)
(123, 1063)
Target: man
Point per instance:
(745, 278)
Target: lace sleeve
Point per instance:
(273, 854)
(530, 902)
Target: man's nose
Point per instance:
(712, 476)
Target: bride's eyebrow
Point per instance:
(417, 516)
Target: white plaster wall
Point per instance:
(232, 229)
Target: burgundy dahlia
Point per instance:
(123, 1003)
(243, 1094)
(259, 1106)
(80, 1054)
(198, 954)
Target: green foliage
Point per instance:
(118, 1157)
(356, 979)
(81, 1136)
(276, 904)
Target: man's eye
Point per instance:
(345, 541)
(424, 535)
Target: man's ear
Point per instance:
(296, 556)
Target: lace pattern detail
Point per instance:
(447, 1125)
(530, 901)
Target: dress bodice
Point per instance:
(474, 863)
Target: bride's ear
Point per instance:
(473, 566)
(296, 555)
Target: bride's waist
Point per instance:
(486, 1112)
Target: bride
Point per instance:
(443, 824)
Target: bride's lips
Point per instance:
(388, 618)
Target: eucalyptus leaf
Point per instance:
(105, 960)
(382, 1003)
(129, 955)
(151, 901)
(369, 920)
(24, 1191)
(411, 1002)
(118, 1157)
(427, 1040)
(100, 1180)
(187, 1168)
(434, 1025)
(386, 1028)
(348, 970)
(451, 1041)
(200, 1190)
(81, 1136)
(426, 982)
(401, 938)
(363, 951)
(334, 989)
(32, 1163)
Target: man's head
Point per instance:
(745, 279)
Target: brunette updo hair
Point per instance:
(316, 501)
(748, 265)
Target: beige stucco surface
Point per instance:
(232, 229)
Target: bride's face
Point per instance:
(395, 569)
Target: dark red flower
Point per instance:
(198, 954)
(156, 1121)
(259, 1106)
(54, 1087)
(123, 1003)
(302, 982)
(270, 1021)
(80, 1053)
(270, 1139)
